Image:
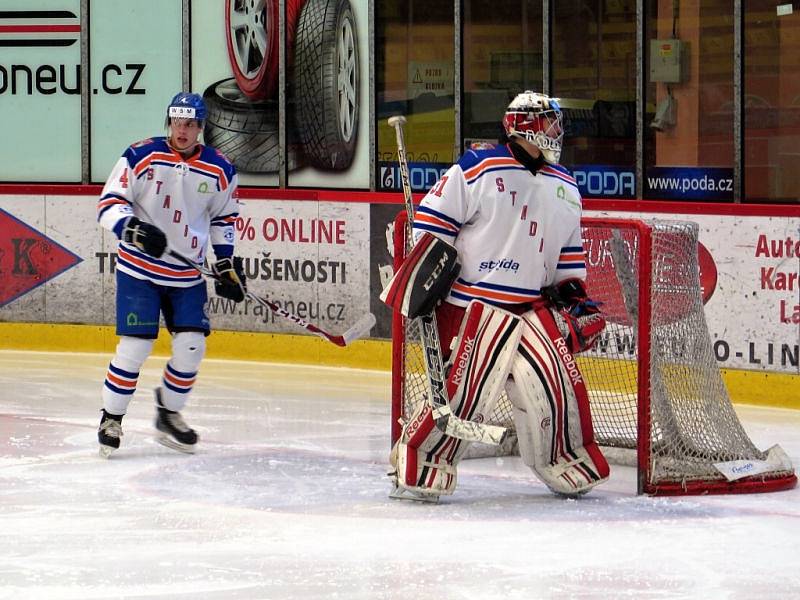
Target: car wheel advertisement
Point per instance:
(235, 66)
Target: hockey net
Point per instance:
(656, 392)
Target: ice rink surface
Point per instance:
(287, 499)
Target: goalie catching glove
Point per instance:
(583, 321)
(230, 280)
(147, 238)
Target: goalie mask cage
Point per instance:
(654, 385)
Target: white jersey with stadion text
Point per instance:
(515, 232)
(190, 200)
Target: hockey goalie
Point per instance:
(498, 257)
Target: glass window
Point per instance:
(502, 47)
(689, 100)
(594, 74)
(414, 67)
(40, 93)
(135, 70)
(771, 102)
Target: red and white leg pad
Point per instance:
(425, 458)
(551, 410)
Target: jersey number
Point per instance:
(123, 179)
(439, 186)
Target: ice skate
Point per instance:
(400, 493)
(109, 433)
(172, 429)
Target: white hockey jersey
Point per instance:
(515, 232)
(190, 200)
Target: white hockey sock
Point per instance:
(123, 373)
(180, 373)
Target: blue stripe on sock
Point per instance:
(121, 373)
(181, 374)
(178, 390)
(117, 390)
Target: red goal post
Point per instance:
(656, 392)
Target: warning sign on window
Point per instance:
(434, 78)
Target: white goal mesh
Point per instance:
(654, 385)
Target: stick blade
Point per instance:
(360, 329)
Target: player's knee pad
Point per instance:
(180, 373)
(188, 349)
(551, 410)
(132, 352)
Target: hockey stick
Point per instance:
(360, 329)
(443, 416)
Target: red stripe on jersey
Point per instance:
(432, 220)
(161, 156)
(501, 297)
(490, 163)
(212, 170)
(153, 268)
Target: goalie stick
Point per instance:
(360, 329)
(443, 416)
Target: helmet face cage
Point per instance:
(538, 119)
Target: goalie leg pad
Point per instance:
(425, 459)
(485, 348)
(551, 410)
(424, 277)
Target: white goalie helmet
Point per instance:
(538, 119)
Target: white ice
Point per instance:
(287, 499)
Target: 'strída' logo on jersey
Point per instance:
(503, 264)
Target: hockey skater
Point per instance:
(167, 193)
(515, 314)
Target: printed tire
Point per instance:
(253, 41)
(326, 83)
(244, 131)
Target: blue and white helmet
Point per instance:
(186, 105)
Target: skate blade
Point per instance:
(106, 451)
(167, 441)
(400, 493)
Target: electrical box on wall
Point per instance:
(666, 61)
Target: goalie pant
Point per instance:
(529, 358)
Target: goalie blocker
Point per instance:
(423, 279)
